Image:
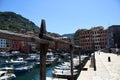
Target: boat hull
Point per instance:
(63, 75)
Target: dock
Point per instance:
(107, 68)
(51, 78)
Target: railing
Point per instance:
(44, 41)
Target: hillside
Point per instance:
(14, 22)
(68, 35)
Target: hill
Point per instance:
(14, 22)
(68, 35)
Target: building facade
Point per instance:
(77, 37)
(2, 45)
(16, 45)
(99, 37)
(92, 39)
(62, 46)
(86, 40)
(104, 39)
(8, 45)
(114, 36)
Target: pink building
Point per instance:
(16, 45)
(20, 46)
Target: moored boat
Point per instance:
(50, 58)
(19, 61)
(9, 69)
(6, 76)
(63, 71)
(22, 69)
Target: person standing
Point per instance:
(117, 51)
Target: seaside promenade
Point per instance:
(105, 69)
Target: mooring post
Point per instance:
(43, 51)
(93, 61)
(71, 59)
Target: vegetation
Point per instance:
(14, 22)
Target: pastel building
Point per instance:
(97, 31)
(93, 39)
(15, 45)
(104, 39)
(8, 45)
(62, 46)
(2, 45)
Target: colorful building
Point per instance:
(62, 46)
(2, 45)
(96, 34)
(93, 39)
(9, 45)
(16, 45)
(104, 39)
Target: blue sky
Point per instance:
(66, 16)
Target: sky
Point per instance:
(66, 16)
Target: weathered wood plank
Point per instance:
(16, 36)
(46, 38)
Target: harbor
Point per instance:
(48, 65)
(71, 62)
(23, 66)
(106, 67)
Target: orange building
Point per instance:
(104, 39)
(62, 46)
(93, 39)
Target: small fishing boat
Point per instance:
(9, 69)
(19, 61)
(50, 59)
(33, 57)
(22, 69)
(6, 76)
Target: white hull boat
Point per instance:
(6, 76)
